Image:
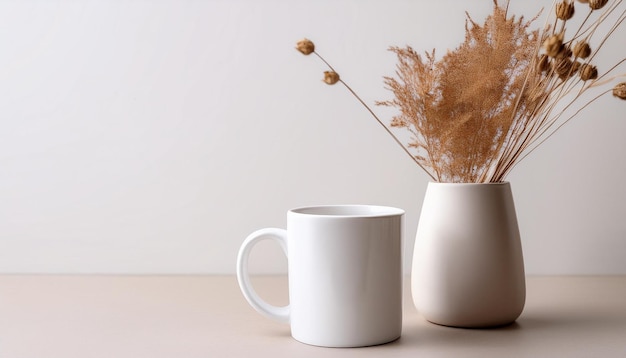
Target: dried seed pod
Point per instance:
(543, 64)
(619, 90)
(564, 52)
(331, 77)
(563, 67)
(588, 72)
(305, 46)
(565, 10)
(597, 4)
(552, 45)
(582, 49)
(569, 69)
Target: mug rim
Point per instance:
(348, 211)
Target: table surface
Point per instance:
(92, 316)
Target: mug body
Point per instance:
(345, 274)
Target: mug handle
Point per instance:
(280, 236)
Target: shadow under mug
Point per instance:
(345, 274)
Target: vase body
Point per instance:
(468, 267)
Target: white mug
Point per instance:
(345, 274)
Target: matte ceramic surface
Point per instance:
(468, 269)
(345, 274)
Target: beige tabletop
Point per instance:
(49, 316)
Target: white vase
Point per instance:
(468, 268)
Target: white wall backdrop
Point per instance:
(153, 136)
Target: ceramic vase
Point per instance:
(468, 267)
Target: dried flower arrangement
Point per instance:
(482, 108)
